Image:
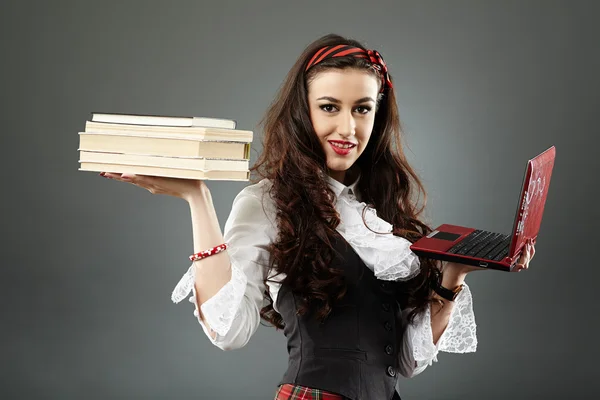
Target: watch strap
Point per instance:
(448, 294)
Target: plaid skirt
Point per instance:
(293, 392)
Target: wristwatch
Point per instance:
(448, 294)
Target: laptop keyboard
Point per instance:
(483, 244)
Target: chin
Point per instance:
(340, 167)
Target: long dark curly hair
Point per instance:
(295, 163)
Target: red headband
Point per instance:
(350, 51)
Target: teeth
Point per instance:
(342, 146)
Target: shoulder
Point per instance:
(254, 203)
(257, 190)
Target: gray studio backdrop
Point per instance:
(89, 264)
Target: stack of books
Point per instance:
(168, 146)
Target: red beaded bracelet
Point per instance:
(209, 252)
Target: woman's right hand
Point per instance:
(182, 188)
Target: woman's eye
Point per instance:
(324, 106)
(330, 108)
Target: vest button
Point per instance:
(389, 349)
(385, 306)
(387, 326)
(384, 285)
(391, 371)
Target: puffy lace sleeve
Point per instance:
(388, 256)
(220, 310)
(232, 315)
(460, 336)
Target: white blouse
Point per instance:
(233, 312)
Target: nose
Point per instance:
(346, 124)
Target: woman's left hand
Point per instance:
(526, 256)
(523, 263)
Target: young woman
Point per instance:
(323, 238)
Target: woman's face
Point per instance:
(342, 109)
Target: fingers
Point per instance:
(118, 176)
(146, 182)
(137, 180)
(526, 256)
(111, 175)
(124, 177)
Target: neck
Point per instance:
(345, 177)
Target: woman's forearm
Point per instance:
(440, 313)
(212, 273)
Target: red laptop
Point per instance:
(489, 249)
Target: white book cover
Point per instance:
(163, 120)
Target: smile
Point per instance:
(342, 149)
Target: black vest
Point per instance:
(354, 353)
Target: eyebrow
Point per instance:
(336, 101)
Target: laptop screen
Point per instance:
(533, 199)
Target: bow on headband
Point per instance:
(350, 51)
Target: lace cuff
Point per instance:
(387, 255)
(458, 337)
(219, 311)
(424, 351)
(218, 340)
(184, 286)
